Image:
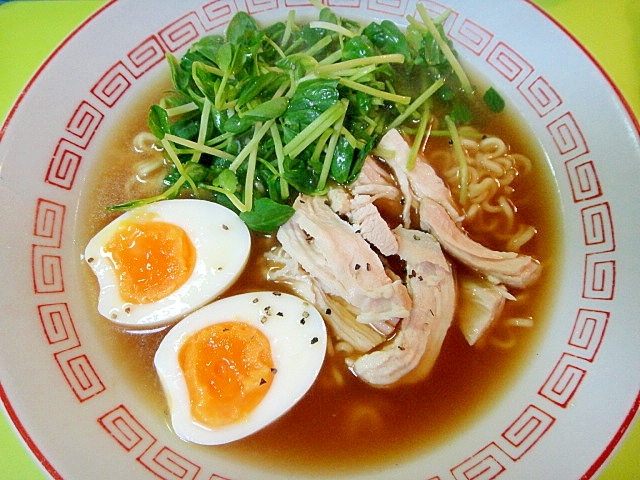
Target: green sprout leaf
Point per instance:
(267, 215)
(493, 100)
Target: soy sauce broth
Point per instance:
(351, 427)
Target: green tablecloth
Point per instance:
(30, 30)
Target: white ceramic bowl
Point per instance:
(563, 414)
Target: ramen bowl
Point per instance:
(563, 410)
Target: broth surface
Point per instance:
(354, 426)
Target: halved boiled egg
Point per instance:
(158, 262)
(236, 365)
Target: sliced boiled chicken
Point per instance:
(371, 226)
(438, 216)
(509, 268)
(365, 218)
(420, 182)
(375, 181)
(338, 314)
(410, 355)
(342, 262)
(336, 251)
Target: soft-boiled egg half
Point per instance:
(158, 262)
(236, 365)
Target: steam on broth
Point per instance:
(343, 424)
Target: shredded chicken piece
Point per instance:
(509, 268)
(342, 262)
(339, 315)
(336, 252)
(371, 226)
(339, 201)
(421, 182)
(365, 218)
(375, 181)
(359, 209)
(411, 354)
(438, 216)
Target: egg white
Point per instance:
(298, 339)
(222, 243)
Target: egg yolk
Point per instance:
(228, 369)
(152, 259)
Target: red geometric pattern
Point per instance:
(527, 429)
(113, 84)
(217, 14)
(355, 4)
(295, 3)
(583, 179)
(393, 8)
(46, 261)
(539, 94)
(126, 430)
(436, 9)
(160, 460)
(145, 56)
(79, 373)
(182, 32)
(598, 227)
(567, 136)
(46, 269)
(588, 333)
(486, 464)
(74, 364)
(258, 6)
(509, 63)
(58, 325)
(599, 277)
(64, 165)
(48, 223)
(472, 36)
(167, 464)
(84, 123)
(564, 380)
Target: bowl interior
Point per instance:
(585, 354)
